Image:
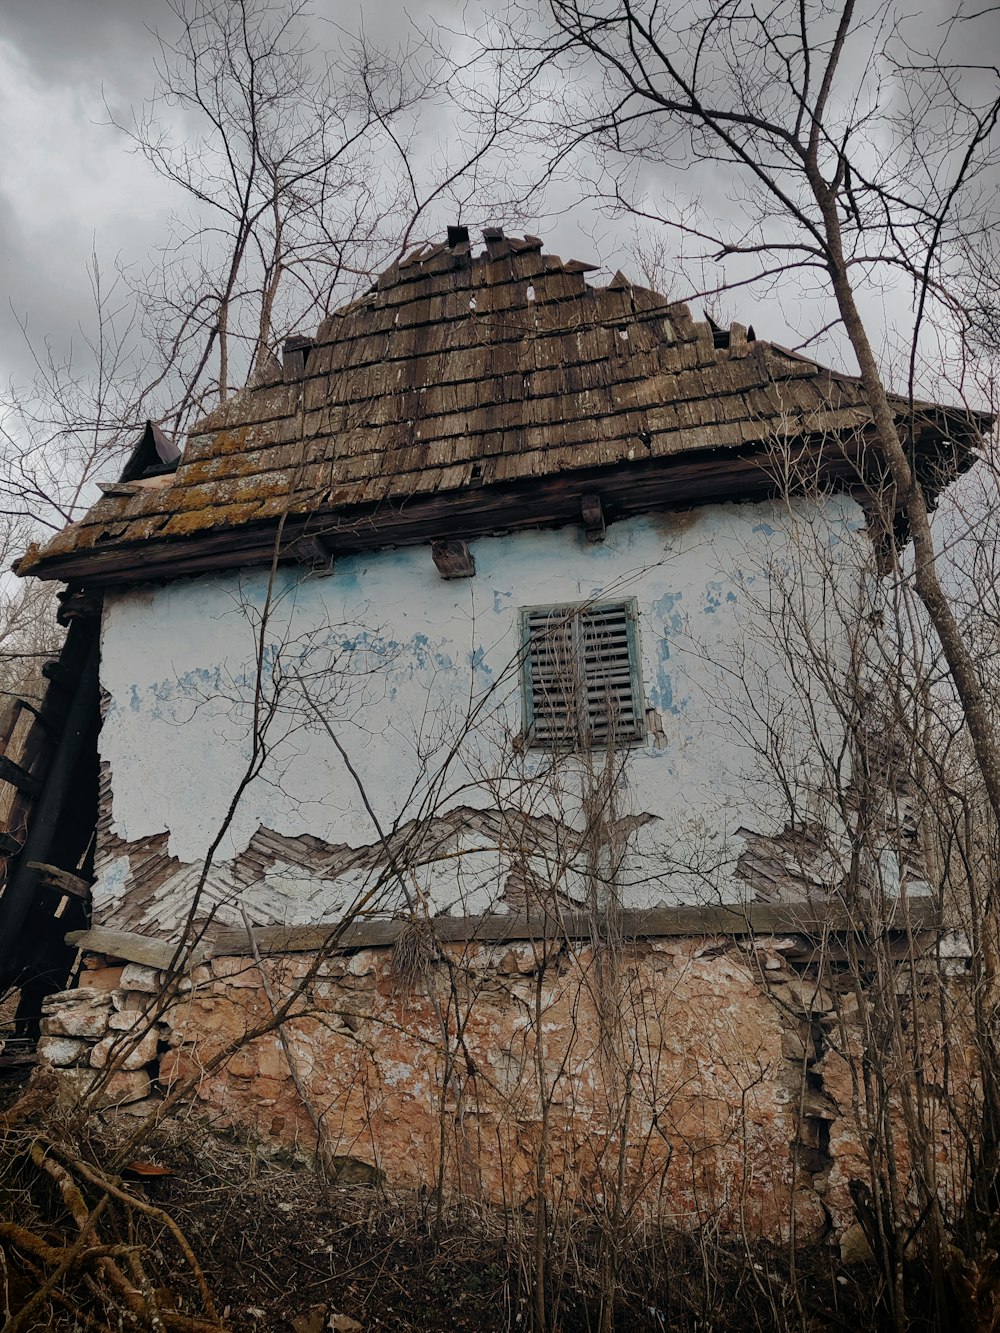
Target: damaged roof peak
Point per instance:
(483, 388)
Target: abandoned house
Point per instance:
(426, 703)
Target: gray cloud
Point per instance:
(67, 184)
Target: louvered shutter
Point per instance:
(581, 677)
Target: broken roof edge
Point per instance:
(712, 475)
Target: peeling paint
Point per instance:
(384, 662)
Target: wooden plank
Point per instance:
(920, 914)
(133, 947)
(60, 881)
(19, 777)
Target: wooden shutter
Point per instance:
(581, 676)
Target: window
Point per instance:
(581, 675)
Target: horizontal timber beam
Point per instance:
(915, 915)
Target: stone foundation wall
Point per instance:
(697, 1073)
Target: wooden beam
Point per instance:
(453, 559)
(673, 482)
(132, 947)
(22, 886)
(60, 881)
(79, 604)
(19, 777)
(810, 919)
(312, 551)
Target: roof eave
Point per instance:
(679, 481)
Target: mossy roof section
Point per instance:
(461, 369)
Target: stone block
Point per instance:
(136, 977)
(343, 1323)
(128, 1054)
(804, 996)
(77, 1020)
(76, 1084)
(794, 1045)
(66, 999)
(271, 1059)
(854, 1246)
(105, 978)
(237, 971)
(123, 1020)
(72, 1086)
(177, 1065)
(125, 1086)
(60, 1051)
(143, 1107)
(243, 1064)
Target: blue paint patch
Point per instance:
(713, 597)
(661, 696)
(477, 660)
(765, 528)
(482, 673)
(667, 694)
(665, 609)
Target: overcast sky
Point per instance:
(70, 187)
(68, 184)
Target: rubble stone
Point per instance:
(117, 1046)
(713, 1046)
(125, 1086)
(60, 1051)
(138, 978)
(79, 1018)
(854, 1246)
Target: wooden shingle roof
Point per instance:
(466, 390)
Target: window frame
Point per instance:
(574, 611)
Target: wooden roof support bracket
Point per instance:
(311, 550)
(593, 516)
(453, 559)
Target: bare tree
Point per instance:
(281, 150)
(853, 154)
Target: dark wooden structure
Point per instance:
(48, 813)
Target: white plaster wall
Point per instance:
(396, 658)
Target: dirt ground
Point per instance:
(283, 1250)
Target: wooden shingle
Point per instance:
(460, 371)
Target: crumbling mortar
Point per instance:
(805, 1010)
